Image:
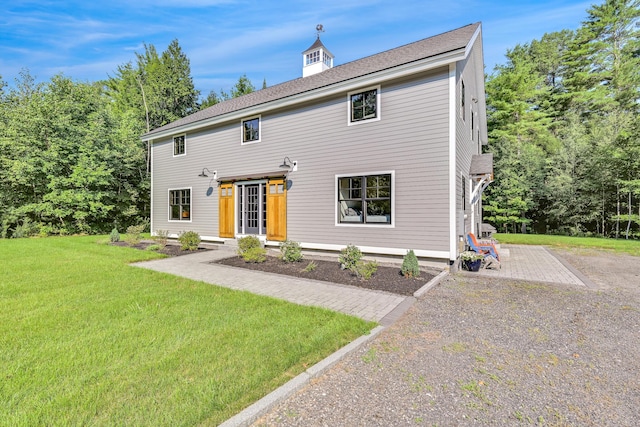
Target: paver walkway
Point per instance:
(535, 263)
(363, 303)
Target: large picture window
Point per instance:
(251, 130)
(180, 205)
(363, 105)
(179, 147)
(364, 199)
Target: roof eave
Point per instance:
(399, 71)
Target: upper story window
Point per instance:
(179, 145)
(364, 105)
(313, 57)
(180, 205)
(251, 130)
(364, 199)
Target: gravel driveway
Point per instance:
(482, 351)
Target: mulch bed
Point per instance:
(169, 249)
(386, 278)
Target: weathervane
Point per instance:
(319, 29)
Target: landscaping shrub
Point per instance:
(114, 236)
(310, 267)
(255, 255)
(410, 267)
(161, 237)
(153, 248)
(365, 270)
(246, 243)
(349, 257)
(134, 234)
(189, 240)
(290, 251)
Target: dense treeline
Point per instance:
(71, 158)
(564, 127)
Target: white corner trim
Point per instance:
(452, 162)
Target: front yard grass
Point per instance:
(631, 247)
(86, 339)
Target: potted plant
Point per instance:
(471, 260)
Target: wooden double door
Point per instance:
(254, 208)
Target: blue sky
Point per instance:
(87, 39)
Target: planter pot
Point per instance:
(472, 265)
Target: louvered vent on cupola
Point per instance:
(317, 58)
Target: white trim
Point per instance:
(173, 145)
(374, 250)
(378, 106)
(179, 221)
(469, 45)
(366, 225)
(246, 119)
(453, 181)
(334, 89)
(151, 209)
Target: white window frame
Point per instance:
(173, 143)
(246, 119)
(336, 201)
(169, 190)
(378, 106)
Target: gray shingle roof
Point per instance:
(481, 164)
(422, 49)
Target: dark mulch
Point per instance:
(170, 249)
(386, 278)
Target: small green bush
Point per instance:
(290, 251)
(310, 267)
(365, 270)
(255, 255)
(189, 240)
(349, 257)
(114, 236)
(153, 248)
(161, 237)
(134, 234)
(410, 267)
(246, 243)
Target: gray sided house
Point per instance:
(383, 152)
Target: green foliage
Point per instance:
(470, 256)
(255, 255)
(161, 237)
(242, 87)
(247, 243)
(310, 267)
(153, 248)
(410, 267)
(349, 257)
(290, 251)
(114, 236)
(364, 270)
(134, 234)
(189, 240)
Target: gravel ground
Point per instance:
(480, 351)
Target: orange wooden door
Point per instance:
(225, 210)
(277, 209)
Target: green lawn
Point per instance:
(86, 339)
(617, 245)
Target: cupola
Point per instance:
(317, 58)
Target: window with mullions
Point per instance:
(180, 205)
(251, 130)
(179, 145)
(363, 105)
(364, 199)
